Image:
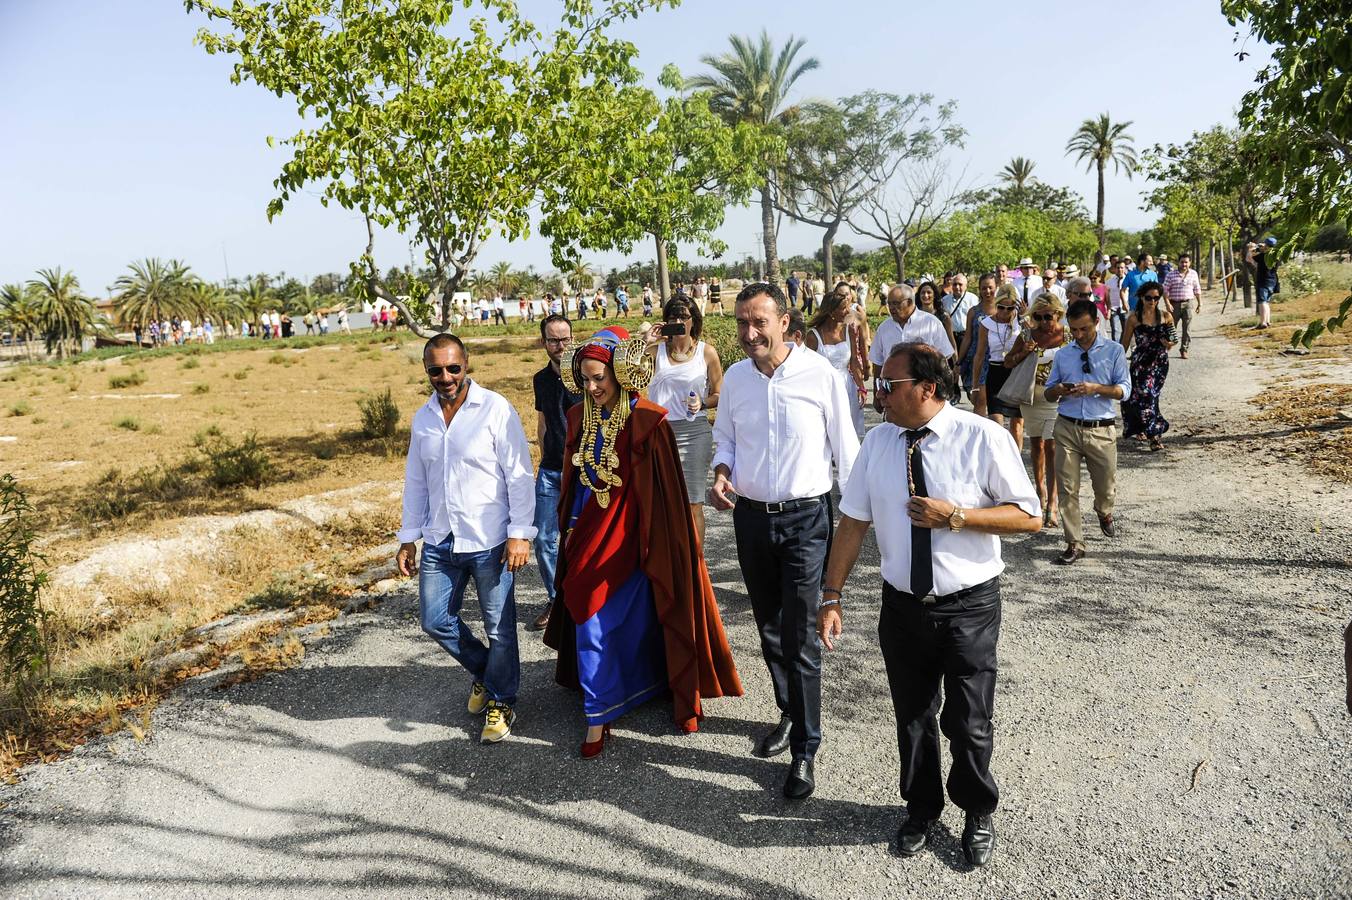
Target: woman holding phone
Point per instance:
(687, 382)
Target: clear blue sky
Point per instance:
(121, 139)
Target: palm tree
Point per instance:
(65, 315)
(1017, 173)
(1095, 143)
(19, 314)
(152, 290)
(581, 277)
(751, 84)
(504, 278)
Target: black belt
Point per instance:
(931, 599)
(1089, 423)
(780, 507)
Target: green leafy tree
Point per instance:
(1300, 117)
(447, 125)
(976, 240)
(669, 178)
(504, 278)
(750, 84)
(1096, 143)
(1018, 173)
(1060, 203)
(23, 640)
(834, 150)
(65, 314)
(19, 314)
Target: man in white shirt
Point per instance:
(906, 323)
(783, 418)
(963, 484)
(1049, 285)
(469, 494)
(957, 303)
(1117, 297)
(1027, 282)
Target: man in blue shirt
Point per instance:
(1137, 277)
(1086, 377)
(792, 286)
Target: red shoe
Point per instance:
(593, 748)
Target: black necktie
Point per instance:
(922, 561)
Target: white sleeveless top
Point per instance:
(1000, 337)
(838, 355)
(673, 382)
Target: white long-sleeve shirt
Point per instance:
(472, 479)
(778, 435)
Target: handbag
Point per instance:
(1018, 387)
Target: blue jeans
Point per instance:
(1117, 323)
(441, 590)
(547, 526)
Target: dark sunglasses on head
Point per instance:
(453, 368)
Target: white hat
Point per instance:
(1071, 269)
(1026, 263)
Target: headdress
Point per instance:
(627, 356)
(633, 367)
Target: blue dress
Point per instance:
(621, 658)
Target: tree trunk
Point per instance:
(768, 233)
(1099, 220)
(899, 260)
(663, 274)
(828, 254)
(1211, 262)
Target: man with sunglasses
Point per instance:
(1087, 375)
(940, 485)
(552, 402)
(469, 495)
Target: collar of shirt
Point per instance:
(1107, 365)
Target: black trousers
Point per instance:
(782, 556)
(953, 641)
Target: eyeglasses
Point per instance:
(885, 385)
(1084, 361)
(1044, 317)
(556, 342)
(453, 368)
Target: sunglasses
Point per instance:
(1085, 294)
(1043, 317)
(1004, 306)
(1084, 361)
(1150, 298)
(885, 385)
(453, 368)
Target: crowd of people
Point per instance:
(270, 324)
(615, 510)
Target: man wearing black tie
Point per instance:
(964, 484)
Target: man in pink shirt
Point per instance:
(1184, 291)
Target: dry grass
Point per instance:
(92, 482)
(1288, 315)
(1323, 440)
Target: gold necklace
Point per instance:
(608, 461)
(679, 358)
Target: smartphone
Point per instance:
(674, 328)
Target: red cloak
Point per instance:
(647, 525)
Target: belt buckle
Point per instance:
(929, 599)
(777, 507)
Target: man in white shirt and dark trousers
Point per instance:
(783, 418)
(469, 493)
(939, 484)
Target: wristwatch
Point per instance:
(956, 519)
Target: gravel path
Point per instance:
(1170, 722)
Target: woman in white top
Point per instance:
(1048, 335)
(687, 381)
(998, 335)
(836, 335)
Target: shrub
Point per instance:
(20, 408)
(206, 434)
(230, 463)
(379, 415)
(241, 374)
(191, 362)
(201, 388)
(277, 359)
(130, 423)
(23, 639)
(1299, 281)
(326, 450)
(126, 380)
(11, 375)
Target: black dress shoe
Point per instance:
(800, 783)
(913, 835)
(777, 740)
(1070, 557)
(1109, 526)
(978, 839)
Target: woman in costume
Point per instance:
(634, 614)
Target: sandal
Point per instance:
(1156, 444)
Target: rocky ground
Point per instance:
(1170, 722)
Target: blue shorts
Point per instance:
(1264, 294)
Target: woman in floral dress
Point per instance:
(1151, 325)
